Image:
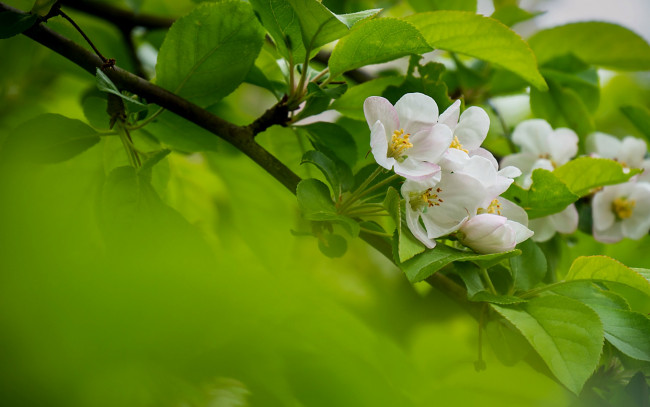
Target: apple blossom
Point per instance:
(406, 136)
(491, 233)
(620, 211)
(541, 147)
(441, 206)
(629, 152)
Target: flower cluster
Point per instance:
(452, 186)
(618, 211)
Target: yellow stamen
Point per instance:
(428, 198)
(493, 208)
(399, 143)
(548, 157)
(623, 207)
(455, 143)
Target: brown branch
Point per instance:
(123, 19)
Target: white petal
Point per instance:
(510, 172)
(379, 146)
(416, 112)
(472, 128)
(523, 161)
(532, 135)
(603, 145)
(481, 169)
(481, 226)
(450, 116)
(645, 175)
(418, 187)
(543, 228)
(632, 152)
(430, 144)
(378, 108)
(565, 221)
(488, 155)
(563, 145)
(413, 223)
(487, 233)
(601, 208)
(521, 232)
(513, 211)
(453, 160)
(416, 170)
(612, 234)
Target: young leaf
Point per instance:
(606, 269)
(512, 14)
(433, 5)
(567, 334)
(281, 21)
(597, 43)
(338, 174)
(12, 23)
(351, 19)
(547, 195)
(316, 204)
(480, 37)
(586, 173)
(351, 103)
(105, 84)
(640, 118)
(317, 24)
(51, 138)
(485, 296)
(332, 245)
(376, 41)
(423, 265)
(333, 140)
(208, 53)
(529, 268)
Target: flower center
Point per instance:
(455, 143)
(547, 156)
(398, 144)
(493, 208)
(425, 199)
(623, 207)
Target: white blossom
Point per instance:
(629, 152)
(620, 211)
(491, 233)
(406, 137)
(545, 227)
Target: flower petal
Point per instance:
(543, 228)
(565, 221)
(601, 208)
(521, 232)
(513, 211)
(430, 144)
(612, 234)
(486, 154)
(603, 145)
(531, 136)
(379, 146)
(378, 108)
(472, 128)
(450, 116)
(413, 223)
(416, 170)
(510, 172)
(563, 145)
(416, 112)
(632, 152)
(523, 161)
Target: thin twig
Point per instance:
(83, 34)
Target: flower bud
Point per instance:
(489, 233)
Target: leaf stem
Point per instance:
(376, 233)
(352, 198)
(488, 281)
(147, 120)
(83, 34)
(320, 75)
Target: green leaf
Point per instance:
(338, 174)
(585, 84)
(628, 331)
(51, 138)
(433, 5)
(512, 14)
(567, 335)
(316, 204)
(180, 134)
(351, 19)
(317, 24)
(376, 41)
(207, 53)
(429, 81)
(407, 245)
(606, 269)
(640, 118)
(596, 43)
(529, 268)
(508, 344)
(12, 23)
(351, 103)
(42, 7)
(333, 245)
(153, 159)
(586, 173)
(562, 107)
(485, 296)
(547, 195)
(105, 84)
(480, 37)
(333, 140)
(423, 265)
(281, 21)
